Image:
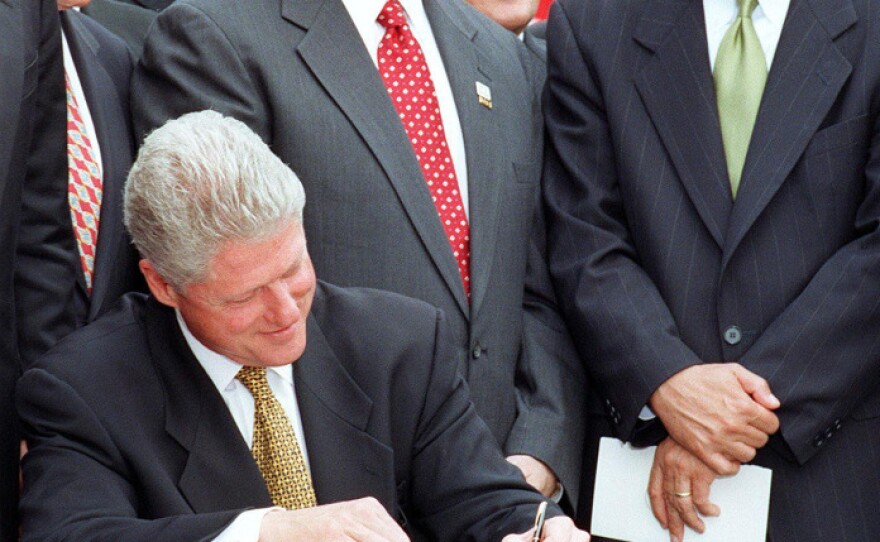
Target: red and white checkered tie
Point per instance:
(405, 72)
(84, 187)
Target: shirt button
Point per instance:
(477, 351)
(732, 335)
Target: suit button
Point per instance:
(818, 441)
(478, 350)
(732, 335)
(837, 424)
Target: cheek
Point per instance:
(240, 320)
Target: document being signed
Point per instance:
(622, 511)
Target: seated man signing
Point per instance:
(202, 412)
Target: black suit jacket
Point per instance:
(32, 160)
(130, 440)
(298, 73)
(660, 268)
(47, 294)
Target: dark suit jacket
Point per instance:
(661, 269)
(46, 295)
(128, 21)
(32, 159)
(297, 72)
(131, 441)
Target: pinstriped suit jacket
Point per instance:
(659, 268)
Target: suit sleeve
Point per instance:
(189, 64)
(46, 254)
(481, 498)
(620, 323)
(821, 355)
(550, 383)
(70, 449)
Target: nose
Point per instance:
(281, 307)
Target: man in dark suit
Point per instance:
(98, 67)
(32, 160)
(719, 264)
(303, 74)
(359, 424)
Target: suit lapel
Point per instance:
(198, 419)
(10, 84)
(112, 133)
(677, 90)
(805, 78)
(346, 462)
(458, 42)
(336, 55)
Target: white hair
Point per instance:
(200, 181)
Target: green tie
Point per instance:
(740, 75)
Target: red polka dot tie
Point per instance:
(84, 187)
(409, 84)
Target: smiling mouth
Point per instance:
(282, 332)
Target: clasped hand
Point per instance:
(718, 416)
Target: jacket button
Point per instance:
(732, 335)
(477, 351)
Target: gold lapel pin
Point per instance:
(484, 95)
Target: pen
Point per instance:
(539, 522)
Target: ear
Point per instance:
(161, 289)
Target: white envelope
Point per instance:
(621, 509)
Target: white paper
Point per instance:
(622, 510)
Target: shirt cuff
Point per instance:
(647, 414)
(246, 527)
(557, 495)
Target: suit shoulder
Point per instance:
(103, 347)
(373, 310)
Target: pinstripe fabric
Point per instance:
(654, 261)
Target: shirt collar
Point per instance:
(364, 10)
(723, 12)
(222, 370)
(775, 10)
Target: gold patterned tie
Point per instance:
(740, 76)
(275, 448)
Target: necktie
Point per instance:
(275, 448)
(412, 92)
(84, 187)
(740, 76)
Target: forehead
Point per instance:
(250, 262)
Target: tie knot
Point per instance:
(254, 379)
(392, 15)
(746, 7)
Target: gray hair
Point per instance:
(200, 181)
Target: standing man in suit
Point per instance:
(99, 153)
(241, 383)
(713, 194)
(441, 206)
(31, 161)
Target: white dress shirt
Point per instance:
(81, 104)
(364, 13)
(767, 18)
(222, 370)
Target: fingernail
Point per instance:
(674, 538)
